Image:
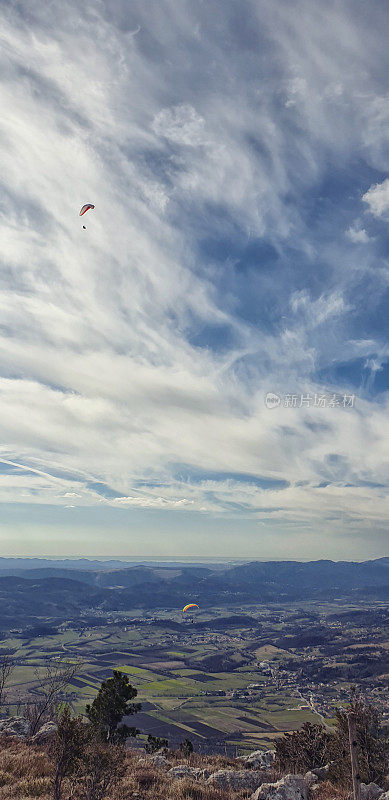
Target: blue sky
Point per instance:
(237, 157)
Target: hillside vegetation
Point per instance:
(27, 772)
(91, 757)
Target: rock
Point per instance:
(310, 779)
(371, 791)
(158, 760)
(15, 726)
(235, 779)
(205, 773)
(291, 787)
(45, 733)
(184, 771)
(321, 772)
(260, 759)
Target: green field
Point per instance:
(217, 691)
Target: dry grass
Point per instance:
(154, 786)
(143, 781)
(26, 773)
(327, 791)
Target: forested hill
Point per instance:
(57, 592)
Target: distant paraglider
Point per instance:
(85, 208)
(189, 607)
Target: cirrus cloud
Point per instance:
(135, 356)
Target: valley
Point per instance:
(231, 677)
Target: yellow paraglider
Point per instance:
(190, 605)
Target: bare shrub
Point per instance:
(67, 748)
(7, 666)
(101, 768)
(372, 746)
(52, 685)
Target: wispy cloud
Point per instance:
(181, 125)
(227, 152)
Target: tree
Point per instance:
(113, 702)
(300, 751)
(372, 748)
(312, 746)
(155, 743)
(101, 768)
(52, 684)
(186, 747)
(7, 665)
(89, 768)
(68, 747)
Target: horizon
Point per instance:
(183, 559)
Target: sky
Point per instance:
(204, 369)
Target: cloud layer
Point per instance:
(235, 154)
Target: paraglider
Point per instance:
(85, 208)
(189, 607)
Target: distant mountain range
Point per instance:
(12, 566)
(59, 592)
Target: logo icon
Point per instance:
(272, 400)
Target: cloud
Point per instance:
(357, 235)
(317, 311)
(215, 267)
(377, 198)
(151, 502)
(296, 89)
(181, 125)
(374, 365)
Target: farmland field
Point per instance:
(224, 686)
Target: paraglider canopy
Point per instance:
(86, 208)
(190, 605)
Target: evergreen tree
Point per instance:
(186, 747)
(155, 743)
(302, 750)
(113, 702)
